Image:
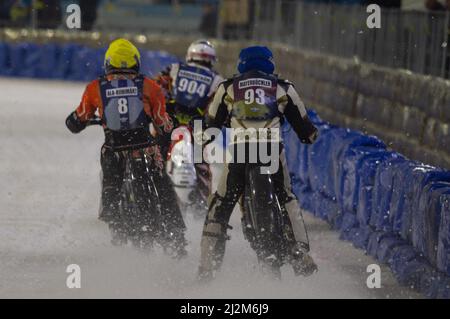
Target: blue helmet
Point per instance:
(256, 58)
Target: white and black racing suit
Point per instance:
(252, 100)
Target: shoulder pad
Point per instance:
(285, 82)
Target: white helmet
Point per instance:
(201, 51)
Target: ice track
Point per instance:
(49, 198)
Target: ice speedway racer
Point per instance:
(138, 201)
(257, 99)
(189, 87)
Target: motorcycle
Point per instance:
(143, 220)
(191, 181)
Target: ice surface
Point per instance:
(49, 197)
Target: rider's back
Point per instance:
(127, 103)
(193, 84)
(256, 99)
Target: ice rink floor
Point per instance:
(49, 196)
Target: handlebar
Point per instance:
(94, 121)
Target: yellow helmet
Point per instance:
(122, 54)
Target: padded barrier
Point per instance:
(396, 209)
(67, 61)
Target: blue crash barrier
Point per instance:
(352, 175)
(67, 61)
(382, 193)
(321, 173)
(367, 175)
(345, 157)
(357, 188)
(426, 219)
(3, 56)
(396, 209)
(403, 169)
(421, 176)
(84, 65)
(16, 58)
(63, 61)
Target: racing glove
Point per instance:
(74, 124)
